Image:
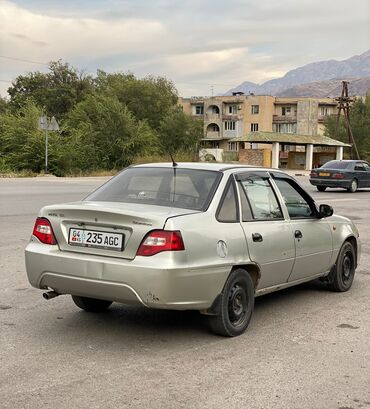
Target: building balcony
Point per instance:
(322, 118)
(212, 135)
(212, 117)
(232, 117)
(286, 119)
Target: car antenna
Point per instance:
(174, 164)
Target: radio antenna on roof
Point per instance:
(174, 164)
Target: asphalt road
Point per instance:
(305, 348)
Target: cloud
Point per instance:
(192, 42)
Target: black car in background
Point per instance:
(348, 174)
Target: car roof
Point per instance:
(221, 167)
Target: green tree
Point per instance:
(103, 134)
(22, 145)
(3, 105)
(360, 124)
(179, 132)
(57, 91)
(149, 99)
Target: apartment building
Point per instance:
(227, 117)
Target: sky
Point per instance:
(203, 46)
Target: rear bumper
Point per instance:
(344, 183)
(156, 282)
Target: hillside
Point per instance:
(354, 68)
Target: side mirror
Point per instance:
(325, 211)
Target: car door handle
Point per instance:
(298, 234)
(257, 237)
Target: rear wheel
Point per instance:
(236, 305)
(353, 186)
(91, 304)
(342, 274)
(321, 188)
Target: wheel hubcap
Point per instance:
(347, 267)
(237, 304)
(354, 185)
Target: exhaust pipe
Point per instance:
(50, 294)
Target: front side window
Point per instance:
(261, 202)
(367, 167)
(297, 206)
(171, 187)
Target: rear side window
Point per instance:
(228, 210)
(263, 204)
(171, 187)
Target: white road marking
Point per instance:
(339, 200)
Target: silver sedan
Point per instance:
(207, 237)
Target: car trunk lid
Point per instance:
(133, 222)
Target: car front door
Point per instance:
(361, 174)
(367, 173)
(312, 235)
(268, 234)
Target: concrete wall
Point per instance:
(307, 116)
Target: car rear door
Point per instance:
(312, 235)
(268, 234)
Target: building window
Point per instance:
(285, 128)
(230, 125)
(199, 110)
(324, 111)
(255, 109)
(286, 111)
(232, 109)
(254, 127)
(232, 146)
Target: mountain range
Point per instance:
(317, 79)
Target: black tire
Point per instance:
(91, 304)
(353, 186)
(321, 188)
(236, 305)
(343, 272)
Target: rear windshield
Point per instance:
(336, 164)
(171, 187)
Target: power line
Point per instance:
(23, 60)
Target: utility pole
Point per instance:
(344, 102)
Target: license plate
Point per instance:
(324, 174)
(96, 239)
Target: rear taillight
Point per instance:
(160, 240)
(43, 231)
(337, 176)
(313, 174)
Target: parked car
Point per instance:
(347, 174)
(191, 236)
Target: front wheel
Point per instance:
(342, 274)
(353, 186)
(321, 188)
(91, 304)
(236, 305)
